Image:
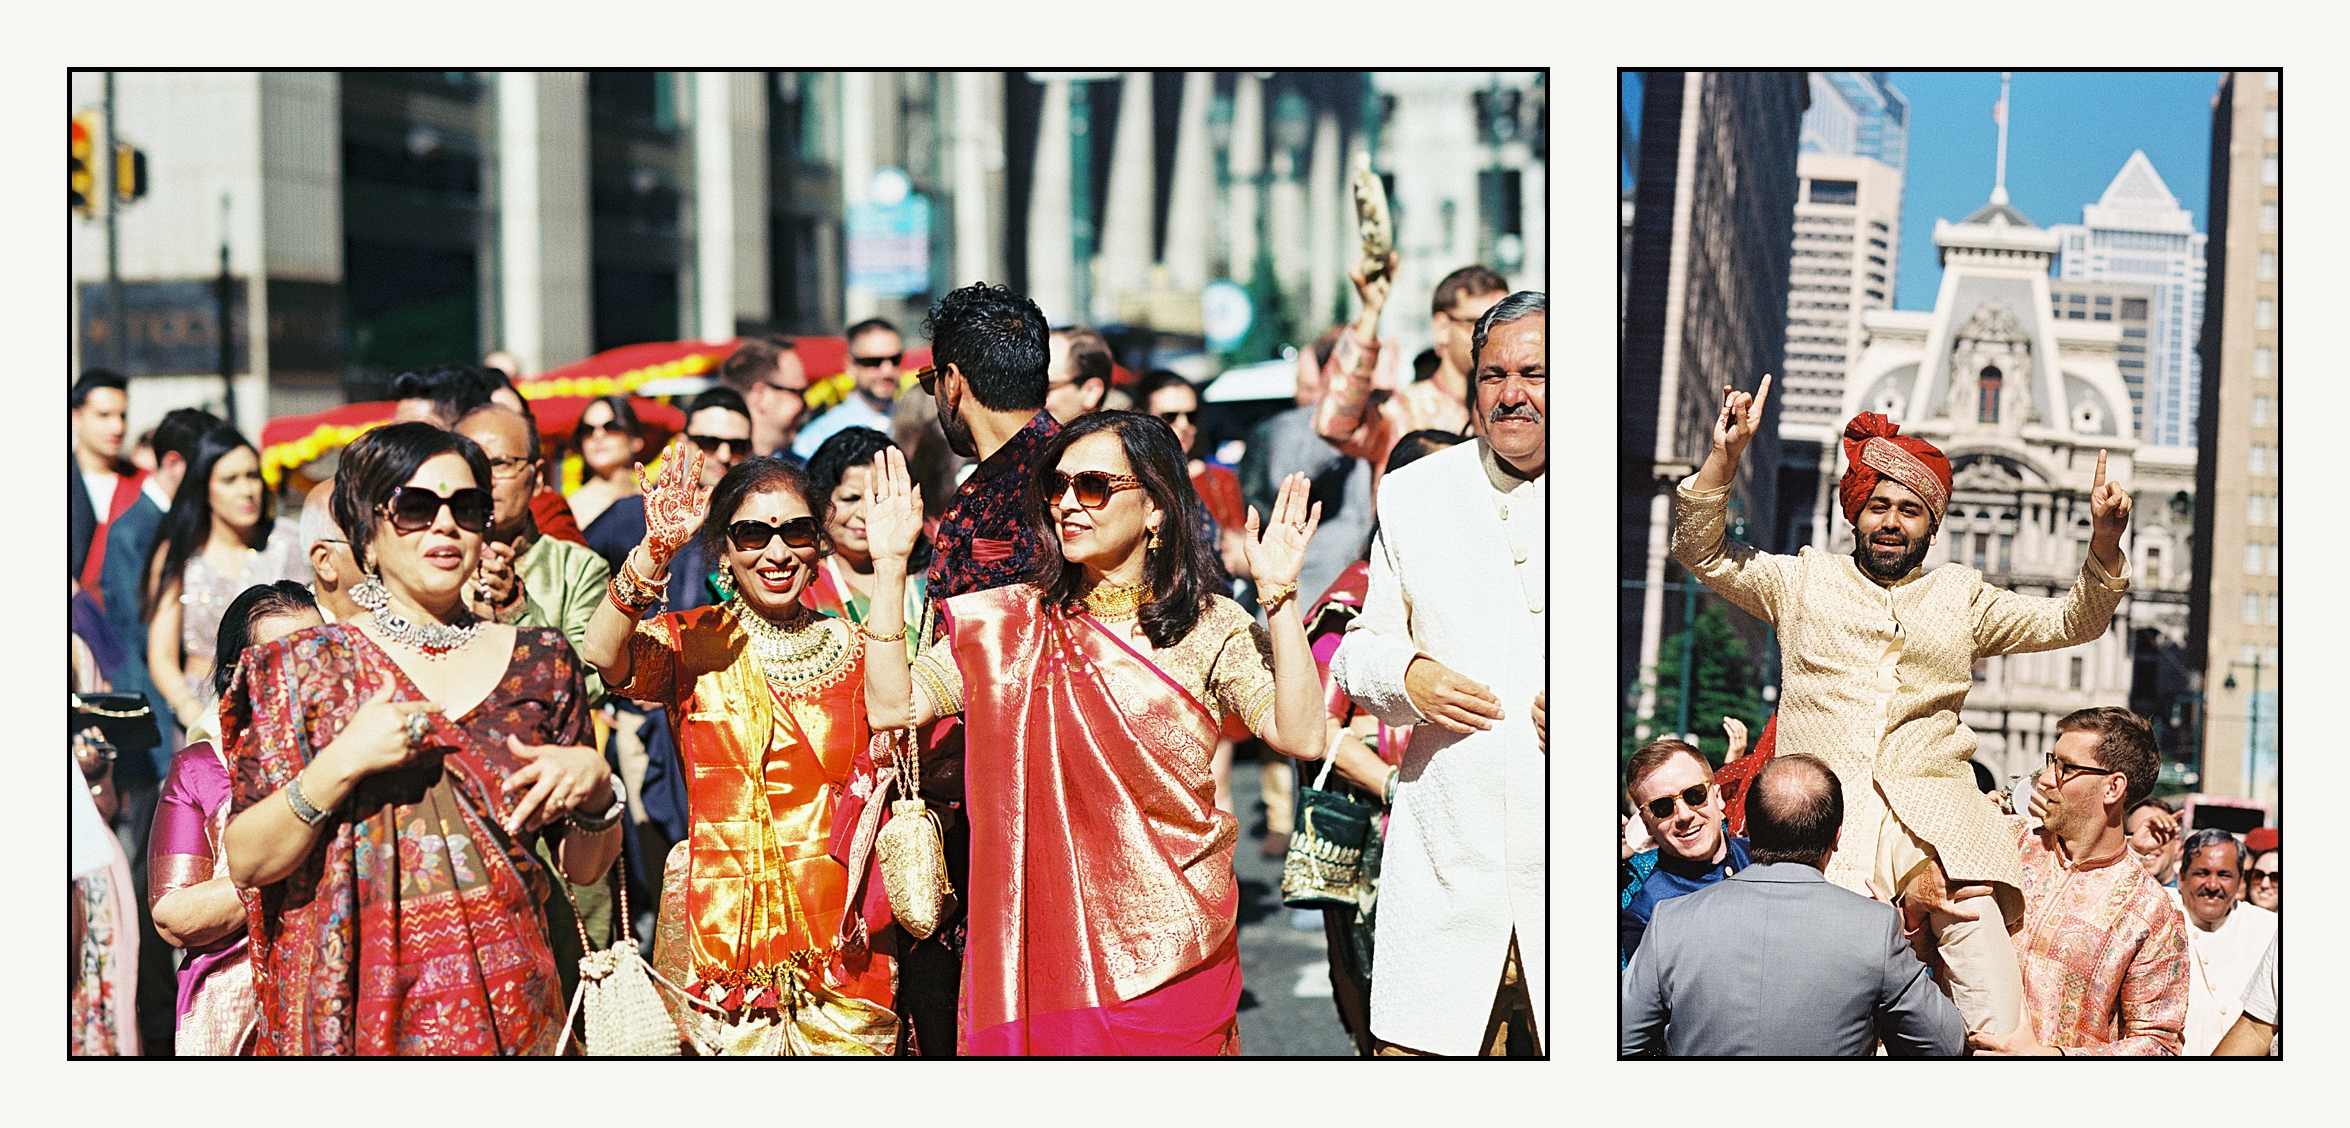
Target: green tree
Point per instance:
(1723, 684)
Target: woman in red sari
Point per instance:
(393, 773)
(1102, 901)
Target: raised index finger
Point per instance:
(2099, 482)
(1762, 394)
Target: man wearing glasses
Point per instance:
(1078, 377)
(774, 387)
(1673, 789)
(2102, 949)
(875, 350)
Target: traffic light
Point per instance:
(130, 172)
(81, 185)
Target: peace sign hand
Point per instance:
(673, 511)
(1741, 416)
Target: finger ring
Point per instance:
(415, 727)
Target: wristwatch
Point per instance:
(599, 823)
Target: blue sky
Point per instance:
(2069, 133)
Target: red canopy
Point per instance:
(294, 441)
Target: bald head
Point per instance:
(510, 441)
(332, 567)
(1793, 811)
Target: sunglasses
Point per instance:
(1094, 487)
(2065, 771)
(2276, 876)
(876, 361)
(414, 508)
(607, 427)
(1172, 416)
(752, 536)
(711, 445)
(1692, 797)
(927, 376)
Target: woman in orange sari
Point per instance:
(769, 701)
(1102, 902)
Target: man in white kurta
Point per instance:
(2226, 938)
(1451, 641)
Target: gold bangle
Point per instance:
(1270, 600)
(868, 633)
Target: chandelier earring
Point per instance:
(724, 581)
(1152, 545)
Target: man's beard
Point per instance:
(1913, 553)
(959, 436)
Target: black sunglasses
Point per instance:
(1692, 797)
(414, 508)
(711, 444)
(1094, 487)
(752, 536)
(2275, 875)
(927, 376)
(608, 427)
(876, 361)
(1172, 416)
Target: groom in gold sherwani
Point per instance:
(1878, 656)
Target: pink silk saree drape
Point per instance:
(1102, 898)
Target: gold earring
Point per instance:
(1153, 544)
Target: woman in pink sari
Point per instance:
(1102, 902)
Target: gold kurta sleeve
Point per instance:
(2008, 623)
(938, 678)
(1240, 676)
(1758, 582)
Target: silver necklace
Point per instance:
(433, 640)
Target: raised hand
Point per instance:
(495, 585)
(673, 507)
(1275, 557)
(2109, 508)
(1735, 729)
(1741, 416)
(893, 508)
(560, 780)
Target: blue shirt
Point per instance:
(1654, 878)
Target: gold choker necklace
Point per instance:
(1113, 603)
(791, 652)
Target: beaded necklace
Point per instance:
(792, 652)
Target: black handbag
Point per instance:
(1324, 869)
(125, 719)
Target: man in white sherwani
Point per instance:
(1451, 641)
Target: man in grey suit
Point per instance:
(1776, 962)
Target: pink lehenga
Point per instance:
(215, 1006)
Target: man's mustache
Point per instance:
(1525, 411)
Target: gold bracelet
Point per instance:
(868, 633)
(1272, 599)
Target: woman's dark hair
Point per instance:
(623, 413)
(261, 601)
(847, 449)
(996, 339)
(757, 475)
(381, 461)
(189, 524)
(1181, 573)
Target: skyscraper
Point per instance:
(2234, 613)
(1705, 303)
(2137, 232)
(1858, 114)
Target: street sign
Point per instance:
(1225, 313)
(889, 239)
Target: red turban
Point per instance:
(1874, 449)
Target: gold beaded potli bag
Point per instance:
(912, 849)
(625, 1016)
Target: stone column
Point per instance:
(730, 201)
(1128, 219)
(1329, 250)
(1246, 163)
(1052, 282)
(978, 177)
(857, 113)
(543, 217)
(1190, 216)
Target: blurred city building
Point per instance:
(2022, 400)
(2235, 613)
(1705, 303)
(2137, 232)
(377, 221)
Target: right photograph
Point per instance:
(1948, 548)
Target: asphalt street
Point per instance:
(1285, 1007)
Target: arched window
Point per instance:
(1988, 409)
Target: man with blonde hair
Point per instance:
(1673, 794)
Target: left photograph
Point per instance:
(808, 563)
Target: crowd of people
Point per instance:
(403, 773)
(1858, 885)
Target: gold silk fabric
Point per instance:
(1101, 868)
(765, 765)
